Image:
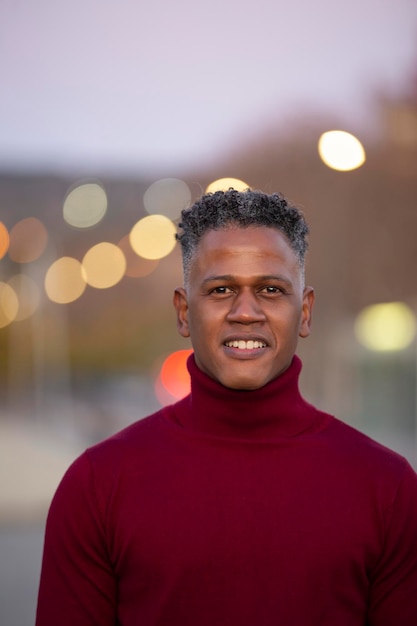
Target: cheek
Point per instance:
(204, 329)
(197, 326)
(205, 317)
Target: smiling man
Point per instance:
(245, 305)
(241, 504)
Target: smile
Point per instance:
(245, 345)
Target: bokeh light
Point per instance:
(386, 327)
(341, 151)
(28, 240)
(223, 184)
(64, 280)
(173, 381)
(153, 237)
(168, 197)
(28, 295)
(4, 240)
(136, 266)
(104, 265)
(85, 205)
(9, 304)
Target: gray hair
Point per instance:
(218, 210)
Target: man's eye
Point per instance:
(272, 289)
(221, 290)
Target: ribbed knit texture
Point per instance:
(273, 411)
(233, 508)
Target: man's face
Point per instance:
(245, 305)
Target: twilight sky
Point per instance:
(142, 84)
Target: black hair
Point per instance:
(218, 210)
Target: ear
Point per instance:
(308, 301)
(181, 307)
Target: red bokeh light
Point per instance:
(174, 376)
(4, 240)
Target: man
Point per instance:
(241, 504)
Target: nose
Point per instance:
(245, 309)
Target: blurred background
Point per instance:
(114, 117)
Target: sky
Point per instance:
(142, 84)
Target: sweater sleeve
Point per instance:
(78, 584)
(393, 591)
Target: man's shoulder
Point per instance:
(119, 452)
(364, 449)
(136, 434)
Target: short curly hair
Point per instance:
(218, 210)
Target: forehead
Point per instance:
(244, 249)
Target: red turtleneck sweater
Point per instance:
(233, 508)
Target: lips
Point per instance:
(241, 344)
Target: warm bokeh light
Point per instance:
(9, 305)
(64, 281)
(4, 240)
(386, 327)
(28, 240)
(28, 295)
(173, 381)
(168, 197)
(153, 237)
(104, 265)
(341, 151)
(223, 184)
(85, 205)
(136, 266)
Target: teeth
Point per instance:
(245, 345)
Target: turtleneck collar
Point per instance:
(275, 410)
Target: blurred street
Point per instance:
(103, 143)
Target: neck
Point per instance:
(275, 410)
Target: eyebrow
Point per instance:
(231, 278)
